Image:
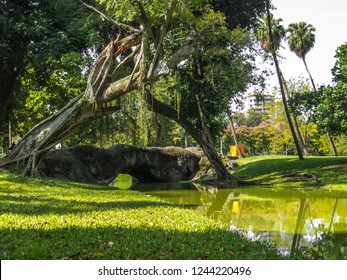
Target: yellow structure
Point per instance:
(233, 150)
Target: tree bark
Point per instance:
(309, 74)
(295, 121)
(200, 136)
(332, 144)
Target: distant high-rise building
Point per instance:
(258, 101)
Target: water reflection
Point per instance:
(303, 223)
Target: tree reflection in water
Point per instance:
(302, 223)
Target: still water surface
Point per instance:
(307, 223)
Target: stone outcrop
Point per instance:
(94, 165)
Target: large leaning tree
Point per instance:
(144, 42)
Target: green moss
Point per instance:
(51, 219)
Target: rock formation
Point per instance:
(94, 165)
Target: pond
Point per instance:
(306, 223)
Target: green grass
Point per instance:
(332, 171)
(51, 219)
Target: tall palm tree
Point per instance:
(278, 34)
(301, 40)
(270, 34)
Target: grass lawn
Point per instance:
(331, 171)
(51, 219)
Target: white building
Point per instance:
(258, 101)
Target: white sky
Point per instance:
(330, 20)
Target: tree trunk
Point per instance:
(309, 74)
(279, 76)
(201, 137)
(285, 105)
(332, 144)
(295, 121)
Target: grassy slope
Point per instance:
(332, 171)
(50, 219)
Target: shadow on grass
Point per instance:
(34, 205)
(128, 243)
(61, 183)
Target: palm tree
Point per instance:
(270, 34)
(301, 40)
(278, 34)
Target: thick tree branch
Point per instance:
(129, 83)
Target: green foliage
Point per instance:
(219, 71)
(153, 11)
(331, 113)
(301, 99)
(327, 247)
(257, 139)
(36, 98)
(241, 13)
(340, 68)
(46, 219)
(56, 28)
(251, 118)
(341, 144)
(39, 29)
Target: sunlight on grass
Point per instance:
(331, 171)
(48, 219)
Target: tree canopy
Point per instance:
(33, 31)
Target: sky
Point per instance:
(330, 20)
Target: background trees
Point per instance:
(162, 35)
